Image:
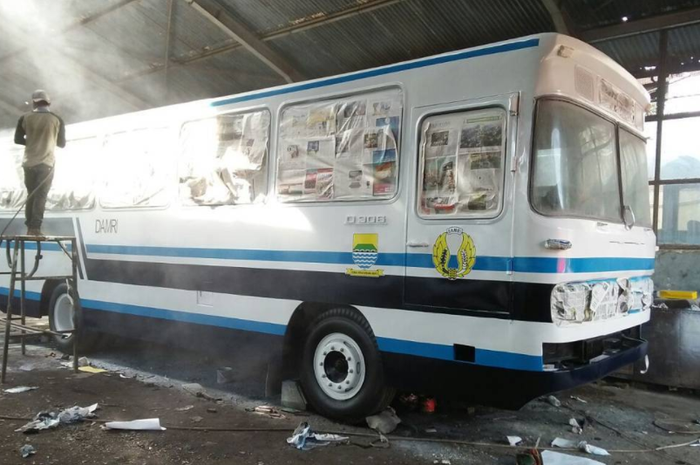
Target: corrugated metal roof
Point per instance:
(125, 48)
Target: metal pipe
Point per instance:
(660, 104)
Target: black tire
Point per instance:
(373, 395)
(88, 340)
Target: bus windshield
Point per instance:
(575, 171)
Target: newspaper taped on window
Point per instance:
(462, 163)
(343, 149)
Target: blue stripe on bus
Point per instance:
(482, 263)
(580, 265)
(421, 349)
(28, 294)
(483, 357)
(382, 71)
(51, 246)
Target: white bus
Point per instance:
(475, 223)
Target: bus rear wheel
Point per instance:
(62, 318)
(342, 374)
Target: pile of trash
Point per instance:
(48, 420)
(304, 438)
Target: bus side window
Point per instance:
(136, 169)
(74, 180)
(223, 160)
(12, 191)
(340, 149)
(461, 164)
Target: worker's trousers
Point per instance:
(33, 179)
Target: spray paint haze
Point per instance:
(81, 67)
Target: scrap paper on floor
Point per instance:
(555, 458)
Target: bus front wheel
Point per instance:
(342, 373)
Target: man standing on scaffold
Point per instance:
(40, 132)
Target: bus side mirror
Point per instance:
(628, 216)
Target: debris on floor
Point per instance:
(408, 402)
(147, 424)
(384, 422)
(83, 362)
(91, 369)
(554, 402)
(514, 440)
(198, 390)
(27, 367)
(530, 457)
(267, 411)
(555, 458)
(20, 389)
(185, 408)
(576, 427)
(428, 405)
(49, 420)
(304, 438)
(583, 446)
(26, 450)
(578, 399)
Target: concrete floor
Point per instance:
(618, 417)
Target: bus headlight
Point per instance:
(600, 300)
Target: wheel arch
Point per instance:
(46, 293)
(297, 328)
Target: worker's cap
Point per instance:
(40, 96)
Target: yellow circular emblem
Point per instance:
(466, 254)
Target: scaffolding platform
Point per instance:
(16, 328)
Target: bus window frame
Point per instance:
(232, 112)
(419, 173)
(105, 138)
(100, 138)
(533, 140)
(342, 96)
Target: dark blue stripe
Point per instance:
(483, 357)
(420, 349)
(186, 317)
(382, 71)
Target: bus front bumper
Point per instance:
(499, 387)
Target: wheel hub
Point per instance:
(63, 314)
(339, 366)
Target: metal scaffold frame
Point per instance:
(15, 251)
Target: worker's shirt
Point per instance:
(40, 132)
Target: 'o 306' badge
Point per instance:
(459, 265)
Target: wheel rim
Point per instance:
(339, 366)
(63, 314)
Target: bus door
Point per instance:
(458, 249)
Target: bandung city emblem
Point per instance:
(454, 253)
(365, 251)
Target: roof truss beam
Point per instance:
(241, 34)
(643, 26)
(561, 25)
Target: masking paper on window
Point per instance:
(12, 190)
(223, 159)
(461, 163)
(344, 149)
(137, 169)
(75, 174)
